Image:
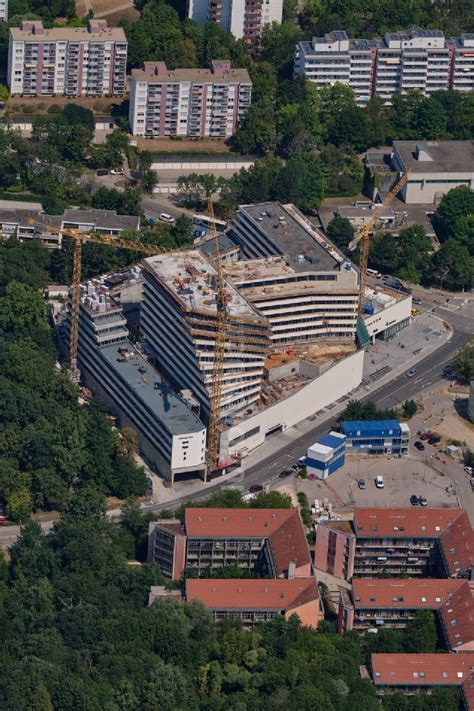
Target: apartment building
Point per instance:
(256, 601)
(417, 542)
(293, 276)
(269, 541)
(67, 61)
(365, 437)
(179, 320)
(381, 602)
(4, 10)
(243, 18)
(335, 548)
(172, 438)
(436, 167)
(29, 224)
(415, 673)
(416, 59)
(199, 103)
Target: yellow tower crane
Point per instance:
(363, 236)
(219, 353)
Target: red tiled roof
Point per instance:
(244, 523)
(403, 523)
(223, 594)
(457, 618)
(282, 527)
(421, 669)
(398, 593)
(468, 693)
(457, 544)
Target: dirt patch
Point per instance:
(32, 105)
(114, 18)
(167, 145)
(454, 427)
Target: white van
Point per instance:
(164, 217)
(373, 273)
(379, 483)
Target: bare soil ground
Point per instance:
(39, 105)
(167, 145)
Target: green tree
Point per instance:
(340, 232)
(301, 181)
(257, 132)
(409, 408)
(464, 362)
(420, 633)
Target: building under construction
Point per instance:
(179, 318)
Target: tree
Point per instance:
(301, 181)
(430, 119)
(409, 408)
(464, 362)
(458, 203)
(351, 128)
(341, 232)
(257, 132)
(420, 633)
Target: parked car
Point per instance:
(200, 232)
(164, 217)
(434, 440)
(420, 446)
(102, 171)
(472, 483)
(286, 472)
(117, 171)
(361, 484)
(302, 461)
(379, 482)
(426, 435)
(469, 470)
(151, 220)
(255, 488)
(423, 501)
(149, 486)
(418, 302)
(411, 373)
(414, 500)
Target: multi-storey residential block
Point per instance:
(335, 548)
(4, 10)
(293, 275)
(269, 541)
(188, 102)
(244, 18)
(417, 542)
(179, 320)
(68, 61)
(255, 601)
(415, 59)
(415, 673)
(376, 437)
(171, 436)
(393, 602)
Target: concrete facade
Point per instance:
(198, 103)
(243, 18)
(67, 61)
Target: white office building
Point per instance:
(415, 59)
(188, 102)
(178, 320)
(244, 18)
(172, 437)
(293, 276)
(67, 61)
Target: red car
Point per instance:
(427, 435)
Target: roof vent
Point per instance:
(422, 153)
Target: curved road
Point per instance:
(429, 371)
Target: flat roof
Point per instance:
(72, 34)
(403, 523)
(222, 594)
(290, 233)
(398, 593)
(207, 245)
(151, 387)
(102, 218)
(352, 427)
(446, 156)
(192, 280)
(420, 669)
(196, 76)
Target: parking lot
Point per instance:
(402, 478)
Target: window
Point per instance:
(445, 675)
(459, 675)
(437, 599)
(423, 599)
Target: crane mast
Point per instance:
(364, 239)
